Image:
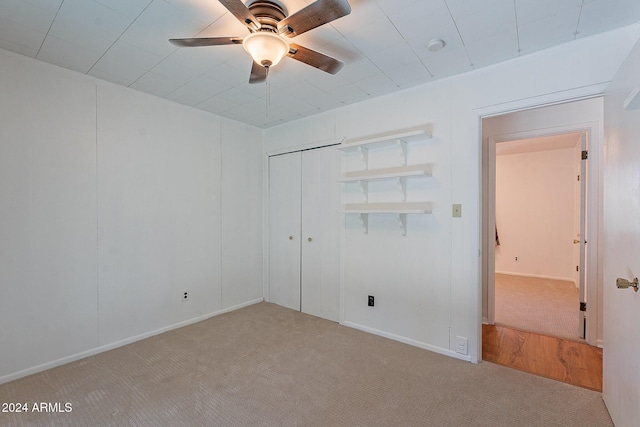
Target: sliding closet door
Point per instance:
(284, 229)
(321, 222)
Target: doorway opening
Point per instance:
(547, 127)
(540, 216)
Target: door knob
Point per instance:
(624, 284)
(290, 237)
(309, 239)
(575, 241)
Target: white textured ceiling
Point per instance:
(382, 42)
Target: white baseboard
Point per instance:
(600, 343)
(111, 346)
(537, 276)
(435, 349)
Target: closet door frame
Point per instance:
(266, 223)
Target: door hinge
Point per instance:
(585, 155)
(577, 268)
(578, 177)
(583, 306)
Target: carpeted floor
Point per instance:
(265, 365)
(544, 306)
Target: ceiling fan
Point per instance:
(269, 25)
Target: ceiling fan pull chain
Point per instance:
(268, 95)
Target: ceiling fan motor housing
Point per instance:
(268, 13)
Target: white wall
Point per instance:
(113, 203)
(48, 251)
(535, 213)
(158, 213)
(241, 216)
(621, 381)
(430, 279)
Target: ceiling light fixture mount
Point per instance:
(436, 45)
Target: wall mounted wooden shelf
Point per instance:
(400, 140)
(399, 209)
(387, 173)
(399, 173)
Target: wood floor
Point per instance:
(568, 361)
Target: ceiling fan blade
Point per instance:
(206, 41)
(258, 73)
(315, 59)
(316, 14)
(242, 12)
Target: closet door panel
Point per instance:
(321, 222)
(285, 229)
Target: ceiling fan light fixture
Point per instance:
(266, 48)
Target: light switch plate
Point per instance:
(457, 210)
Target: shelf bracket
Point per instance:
(402, 222)
(364, 156)
(364, 220)
(403, 149)
(364, 187)
(402, 186)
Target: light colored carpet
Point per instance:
(544, 306)
(265, 365)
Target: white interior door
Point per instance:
(583, 208)
(576, 226)
(285, 229)
(321, 232)
(621, 245)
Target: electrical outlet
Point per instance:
(462, 345)
(370, 301)
(185, 296)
